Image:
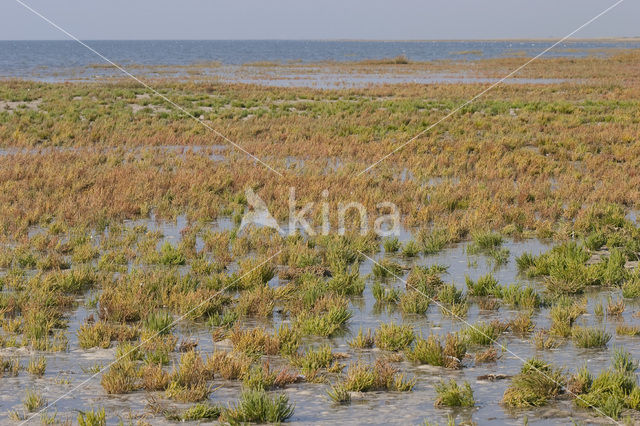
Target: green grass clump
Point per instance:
(258, 301)
(121, 377)
(412, 302)
(362, 377)
(37, 366)
(410, 249)
(430, 351)
(393, 337)
(482, 333)
(384, 294)
(564, 312)
(610, 271)
(391, 245)
(189, 379)
(98, 334)
(33, 401)
(627, 330)
(590, 337)
(542, 340)
(522, 323)
(433, 241)
(526, 263)
(450, 295)
(563, 267)
(486, 285)
(488, 243)
(225, 319)
(255, 271)
(386, 268)
(631, 288)
(9, 367)
(323, 324)
(314, 359)
(288, 339)
(536, 384)
(254, 342)
(256, 406)
(347, 283)
(500, 256)
(452, 395)
(426, 280)
(201, 411)
(487, 240)
(362, 340)
(595, 240)
(339, 394)
(92, 418)
(159, 322)
(170, 256)
(259, 377)
(521, 297)
(612, 390)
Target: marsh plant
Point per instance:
(111, 205)
(431, 351)
(33, 401)
(37, 366)
(453, 395)
(257, 406)
(613, 390)
(394, 337)
(586, 337)
(537, 383)
(361, 377)
(339, 394)
(362, 340)
(92, 418)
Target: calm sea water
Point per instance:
(57, 59)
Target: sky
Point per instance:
(316, 19)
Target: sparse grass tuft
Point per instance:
(92, 418)
(393, 337)
(612, 390)
(430, 351)
(536, 384)
(159, 322)
(362, 340)
(202, 411)
(37, 366)
(486, 285)
(391, 245)
(33, 401)
(362, 377)
(587, 337)
(339, 394)
(482, 333)
(121, 377)
(256, 406)
(452, 395)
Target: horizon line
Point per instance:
(390, 40)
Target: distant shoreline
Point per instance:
(346, 40)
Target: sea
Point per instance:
(58, 60)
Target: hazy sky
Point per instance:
(317, 19)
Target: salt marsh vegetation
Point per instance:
(515, 274)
